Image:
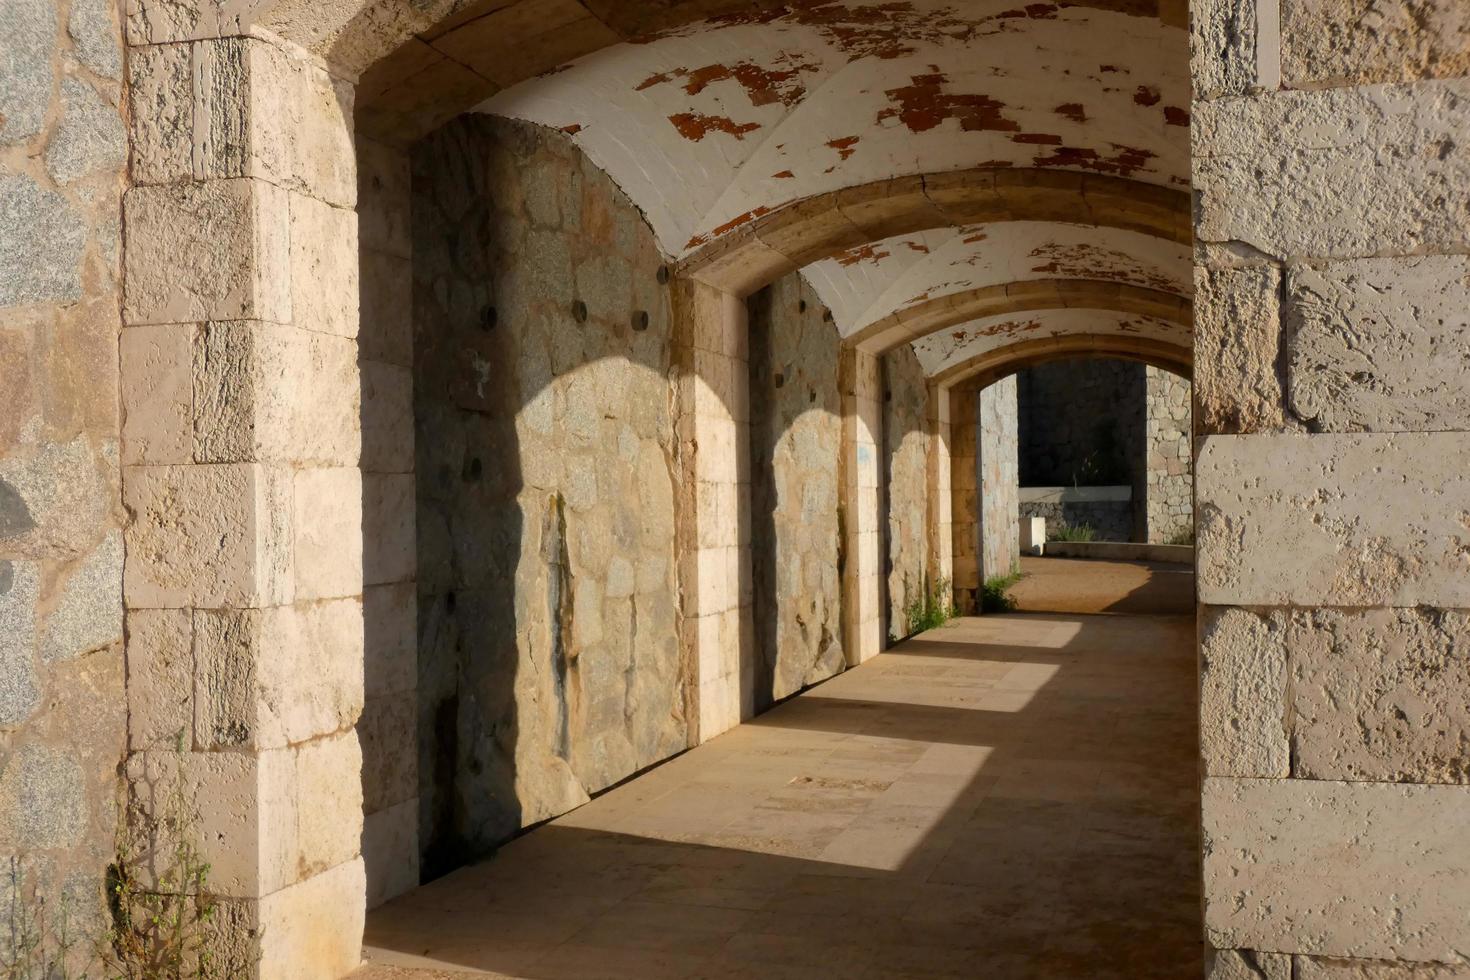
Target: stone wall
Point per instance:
(795, 537)
(996, 459)
(549, 655)
(964, 409)
(1168, 473)
(1081, 423)
(1332, 176)
(63, 713)
(906, 449)
(1111, 520)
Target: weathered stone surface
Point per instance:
(329, 788)
(1379, 344)
(25, 71)
(53, 502)
(41, 250)
(390, 772)
(390, 850)
(1350, 520)
(214, 536)
(315, 926)
(160, 679)
(218, 250)
(1169, 461)
(795, 527)
(1243, 700)
(89, 139)
(1222, 45)
(20, 589)
(1246, 964)
(384, 198)
(1324, 968)
(327, 518)
(42, 799)
(158, 394)
(387, 418)
(906, 445)
(998, 479)
(389, 634)
(85, 610)
(1335, 173)
(388, 528)
(1237, 341)
(323, 267)
(1359, 41)
(386, 331)
(1370, 870)
(161, 91)
(96, 37)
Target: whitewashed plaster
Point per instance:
(712, 125)
(947, 349)
(864, 285)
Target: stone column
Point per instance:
(244, 573)
(1169, 483)
(998, 501)
(711, 359)
(1332, 221)
(860, 380)
(941, 542)
(964, 404)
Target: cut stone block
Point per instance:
(1243, 697)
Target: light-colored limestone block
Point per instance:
(1246, 964)
(1334, 968)
(1243, 696)
(390, 851)
(1378, 344)
(315, 926)
(1361, 41)
(387, 418)
(213, 250)
(327, 518)
(1351, 519)
(160, 678)
(329, 786)
(1237, 341)
(324, 273)
(209, 536)
(1310, 174)
(158, 394)
(388, 526)
(1370, 870)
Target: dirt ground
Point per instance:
(1077, 585)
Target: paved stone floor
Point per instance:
(1006, 797)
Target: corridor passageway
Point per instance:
(1005, 797)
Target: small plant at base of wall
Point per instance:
(1185, 536)
(1071, 532)
(995, 593)
(930, 608)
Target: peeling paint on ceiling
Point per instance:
(948, 349)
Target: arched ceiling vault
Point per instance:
(921, 161)
(988, 367)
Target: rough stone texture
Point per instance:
(1373, 694)
(795, 525)
(1000, 529)
(964, 497)
(1244, 722)
(1168, 442)
(1236, 346)
(549, 659)
(906, 441)
(1246, 964)
(1370, 870)
(1378, 344)
(1222, 47)
(1351, 520)
(62, 706)
(1336, 42)
(1112, 520)
(1325, 968)
(1337, 173)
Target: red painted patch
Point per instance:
(919, 247)
(924, 104)
(866, 253)
(1046, 139)
(729, 226)
(844, 146)
(783, 175)
(1175, 116)
(1146, 95)
(1105, 69)
(695, 126)
(1123, 163)
(1072, 110)
(573, 129)
(972, 239)
(763, 86)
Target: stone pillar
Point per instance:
(861, 384)
(941, 542)
(244, 574)
(1332, 218)
(964, 499)
(713, 429)
(999, 501)
(1168, 476)
(388, 728)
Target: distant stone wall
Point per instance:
(906, 447)
(63, 712)
(796, 433)
(1170, 478)
(1110, 520)
(1000, 531)
(549, 658)
(1081, 423)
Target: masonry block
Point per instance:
(1243, 694)
(327, 515)
(324, 271)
